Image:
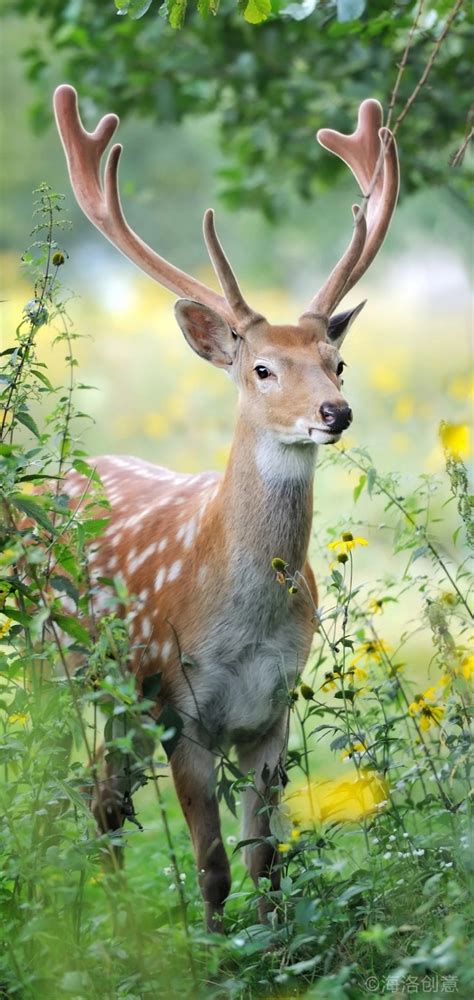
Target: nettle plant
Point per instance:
(374, 865)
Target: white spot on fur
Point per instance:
(154, 648)
(162, 545)
(166, 650)
(160, 578)
(175, 570)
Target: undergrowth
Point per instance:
(374, 894)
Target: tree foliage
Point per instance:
(270, 84)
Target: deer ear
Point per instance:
(206, 332)
(340, 323)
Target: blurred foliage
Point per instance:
(270, 85)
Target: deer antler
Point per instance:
(101, 204)
(371, 154)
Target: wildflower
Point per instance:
(284, 848)
(307, 692)
(5, 627)
(467, 667)
(455, 439)
(295, 833)
(374, 649)
(342, 558)
(430, 714)
(358, 672)
(346, 543)
(338, 800)
(292, 590)
(58, 258)
(355, 751)
(279, 565)
(329, 682)
(376, 606)
(19, 717)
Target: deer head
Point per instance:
(288, 377)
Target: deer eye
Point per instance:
(262, 372)
(340, 368)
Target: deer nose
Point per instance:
(337, 418)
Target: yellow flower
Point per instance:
(467, 667)
(376, 606)
(5, 627)
(19, 717)
(346, 543)
(456, 439)
(329, 682)
(425, 707)
(284, 848)
(338, 800)
(354, 749)
(404, 408)
(374, 649)
(295, 833)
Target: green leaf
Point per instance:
(34, 510)
(64, 585)
(72, 627)
(371, 479)
(86, 470)
(257, 11)
(358, 489)
(349, 10)
(151, 686)
(173, 725)
(25, 418)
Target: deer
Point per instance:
(198, 550)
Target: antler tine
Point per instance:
(102, 205)
(228, 282)
(371, 154)
(330, 294)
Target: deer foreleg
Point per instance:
(266, 759)
(193, 773)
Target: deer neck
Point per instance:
(267, 499)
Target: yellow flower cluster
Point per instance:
(456, 440)
(426, 707)
(338, 799)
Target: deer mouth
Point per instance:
(322, 435)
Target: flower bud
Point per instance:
(347, 536)
(307, 692)
(58, 258)
(342, 557)
(278, 564)
(292, 590)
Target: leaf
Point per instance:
(64, 585)
(349, 10)
(34, 510)
(151, 686)
(86, 470)
(299, 9)
(72, 627)
(136, 8)
(358, 489)
(280, 824)
(25, 418)
(371, 480)
(17, 616)
(257, 11)
(170, 720)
